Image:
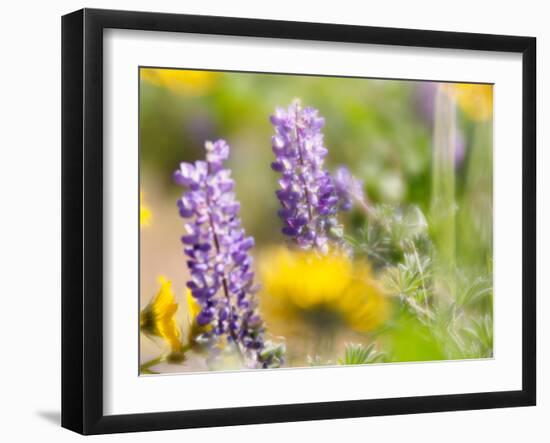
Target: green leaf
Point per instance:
(358, 354)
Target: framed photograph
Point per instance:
(268, 221)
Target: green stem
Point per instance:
(443, 200)
(422, 277)
(145, 366)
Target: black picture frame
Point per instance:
(82, 220)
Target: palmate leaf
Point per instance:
(481, 334)
(375, 243)
(474, 290)
(389, 233)
(358, 354)
(411, 282)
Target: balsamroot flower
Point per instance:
(222, 277)
(475, 100)
(307, 193)
(181, 81)
(305, 293)
(193, 307)
(145, 214)
(158, 317)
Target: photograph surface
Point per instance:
(295, 221)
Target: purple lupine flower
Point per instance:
(306, 190)
(348, 189)
(222, 277)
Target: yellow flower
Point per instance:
(475, 100)
(145, 214)
(158, 317)
(193, 307)
(180, 81)
(320, 292)
(195, 330)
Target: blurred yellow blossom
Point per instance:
(158, 317)
(323, 292)
(145, 214)
(475, 100)
(180, 81)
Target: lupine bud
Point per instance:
(348, 189)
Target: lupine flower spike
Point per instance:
(222, 277)
(306, 190)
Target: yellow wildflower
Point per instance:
(320, 292)
(145, 214)
(475, 100)
(158, 317)
(180, 81)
